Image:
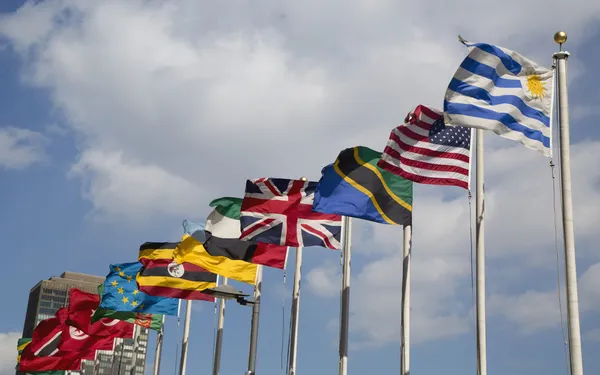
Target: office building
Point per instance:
(47, 296)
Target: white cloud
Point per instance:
(8, 352)
(19, 148)
(175, 103)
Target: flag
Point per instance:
(279, 211)
(355, 186)
(426, 151)
(189, 250)
(499, 90)
(161, 276)
(42, 353)
(73, 339)
(222, 232)
(21, 344)
(81, 308)
(152, 321)
(120, 293)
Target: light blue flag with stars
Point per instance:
(120, 293)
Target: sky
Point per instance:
(120, 119)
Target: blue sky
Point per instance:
(118, 120)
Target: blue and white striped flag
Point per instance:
(499, 90)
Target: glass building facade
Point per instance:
(47, 296)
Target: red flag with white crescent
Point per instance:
(75, 340)
(82, 306)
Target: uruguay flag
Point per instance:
(499, 90)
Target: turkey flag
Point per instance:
(82, 306)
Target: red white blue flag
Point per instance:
(279, 211)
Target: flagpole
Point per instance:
(295, 312)
(219, 339)
(480, 258)
(405, 312)
(345, 308)
(255, 320)
(567, 210)
(158, 351)
(186, 334)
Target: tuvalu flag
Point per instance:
(161, 276)
(152, 321)
(223, 230)
(192, 251)
(355, 186)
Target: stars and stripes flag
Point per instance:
(426, 151)
(279, 211)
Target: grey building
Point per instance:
(47, 296)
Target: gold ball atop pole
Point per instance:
(560, 37)
(303, 179)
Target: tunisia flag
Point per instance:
(75, 340)
(82, 306)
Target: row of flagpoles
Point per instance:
(432, 147)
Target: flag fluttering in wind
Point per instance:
(279, 211)
(162, 276)
(355, 186)
(426, 151)
(191, 251)
(499, 90)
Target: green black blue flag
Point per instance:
(355, 186)
(120, 293)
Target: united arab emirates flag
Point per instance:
(223, 231)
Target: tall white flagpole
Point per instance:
(480, 258)
(219, 339)
(255, 320)
(186, 334)
(405, 313)
(295, 312)
(345, 308)
(158, 351)
(567, 210)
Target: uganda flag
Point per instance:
(192, 251)
(355, 186)
(161, 276)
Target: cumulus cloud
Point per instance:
(19, 148)
(175, 103)
(8, 352)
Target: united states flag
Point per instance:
(426, 151)
(279, 211)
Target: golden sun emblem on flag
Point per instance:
(535, 86)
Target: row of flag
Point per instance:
(493, 89)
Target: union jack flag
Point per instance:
(279, 211)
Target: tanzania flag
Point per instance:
(120, 293)
(161, 276)
(223, 231)
(191, 251)
(152, 321)
(355, 186)
(21, 344)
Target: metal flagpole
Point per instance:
(295, 312)
(158, 352)
(480, 258)
(255, 319)
(345, 310)
(219, 339)
(186, 334)
(567, 210)
(405, 313)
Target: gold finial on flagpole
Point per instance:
(560, 37)
(303, 179)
